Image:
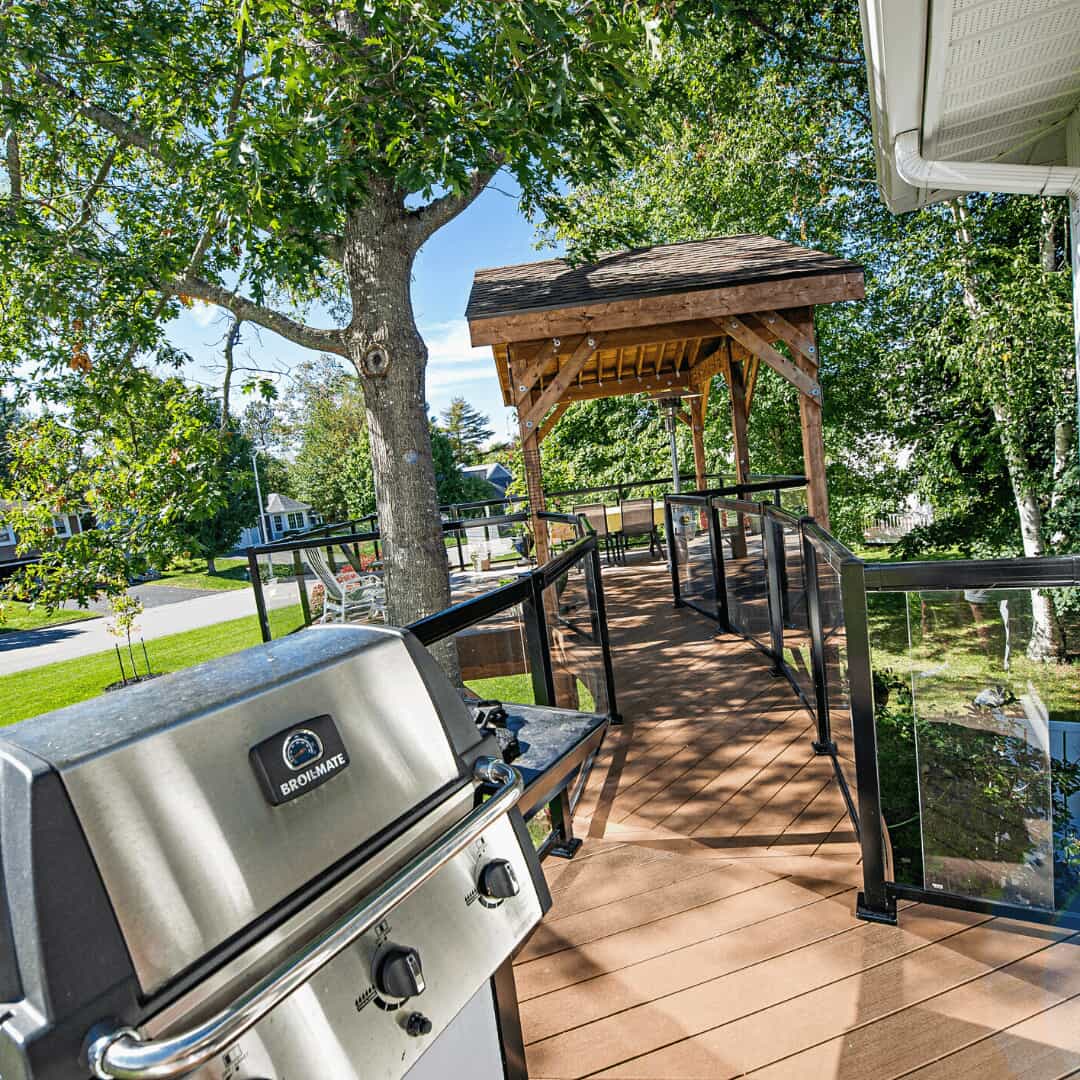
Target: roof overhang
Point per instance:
(988, 84)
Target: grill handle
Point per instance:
(122, 1054)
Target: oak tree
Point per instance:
(285, 160)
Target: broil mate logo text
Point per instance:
(300, 759)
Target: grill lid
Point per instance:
(211, 796)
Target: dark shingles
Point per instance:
(651, 271)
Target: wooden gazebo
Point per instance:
(662, 320)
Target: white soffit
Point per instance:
(983, 80)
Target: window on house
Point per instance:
(279, 523)
(7, 534)
(315, 519)
(61, 526)
(296, 521)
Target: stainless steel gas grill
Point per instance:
(303, 861)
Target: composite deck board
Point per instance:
(706, 928)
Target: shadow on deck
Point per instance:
(706, 928)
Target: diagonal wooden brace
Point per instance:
(558, 385)
(764, 351)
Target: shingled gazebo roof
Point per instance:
(663, 321)
(656, 306)
(695, 265)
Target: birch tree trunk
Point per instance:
(1046, 641)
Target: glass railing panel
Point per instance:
(793, 501)
(887, 618)
(574, 642)
(834, 638)
(745, 577)
(993, 727)
(491, 659)
(797, 653)
(693, 555)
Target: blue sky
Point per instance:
(492, 232)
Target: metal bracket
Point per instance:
(887, 917)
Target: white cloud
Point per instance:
(452, 358)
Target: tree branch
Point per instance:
(86, 210)
(126, 132)
(331, 341)
(428, 219)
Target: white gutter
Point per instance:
(915, 170)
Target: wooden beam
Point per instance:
(640, 311)
(764, 351)
(558, 385)
(534, 482)
(684, 416)
(629, 336)
(551, 421)
(699, 407)
(739, 414)
(535, 359)
(648, 384)
(775, 322)
(751, 370)
(813, 441)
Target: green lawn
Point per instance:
(519, 690)
(18, 616)
(231, 574)
(42, 689)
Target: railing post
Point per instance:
(460, 550)
(599, 605)
(673, 562)
(301, 584)
(562, 827)
(260, 599)
(716, 546)
(774, 586)
(874, 903)
(536, 640)
(824, 743)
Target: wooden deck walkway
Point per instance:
(706, 930)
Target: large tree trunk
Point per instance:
(390, 358)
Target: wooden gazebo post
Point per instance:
(661, 321)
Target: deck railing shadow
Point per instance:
(971, 741)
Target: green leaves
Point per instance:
(141, 461)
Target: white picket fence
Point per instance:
(891, 527)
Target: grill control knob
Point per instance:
(399, 973)
(498, 880)
(417, 1024)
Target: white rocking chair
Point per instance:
(360, 601)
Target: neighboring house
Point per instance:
(65, 525)
(498, 476)
(285, 516)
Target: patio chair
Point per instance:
(637, 520)
(596, 515)
(480, 541)
(363, 599)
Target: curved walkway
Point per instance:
(706, 929)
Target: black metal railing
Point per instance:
(541, 639)
(657, 485)
(955, 743)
